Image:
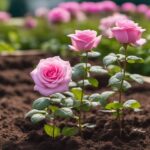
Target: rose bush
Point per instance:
(51, 75)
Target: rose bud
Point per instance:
(52, 75)
(84, 40)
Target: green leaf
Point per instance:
(34, 111)
(94, 97)
(55, 101)
(53, 108)
(134, 104)
(68, 102)
(78, 71)
(98, 70)
(113, 106)
(58, 96)
(70, 131)
(52, 131)
(93, 82)
(92, 54)
(134, 59)
(72, 84)
(64, 112)
(41, 103)
(77, 93)
(86, 105)
(86, 83)
(137, 78)
(104, 97)
(116, 83)
(113, 69)
(36, 118)
(121, 57)
(109, 59)
(95, 104)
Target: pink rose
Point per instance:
(4, 16)
(147, 14)
(30, 22)
(72, 7)
(52, 75)
(128, 32)
(107, 6)
(41, 12)
(84, 40)
(107, 23)
(90, 7)
(58, 15)
(128, 7)
(142, 8)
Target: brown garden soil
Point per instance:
(17, 133)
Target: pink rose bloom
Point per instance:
(107, 6)
(142, 8)
(51, 75)
(107, 23)
(128, 7)
(4, 16)
(58, 15)
(72, 7)
(84, 40)
(147, 14)
(128, 32)
(41, 12)
(90, 7)
(30, 23)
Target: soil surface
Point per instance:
(17, 133)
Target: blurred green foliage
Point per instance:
(53, 39)
(4, 4)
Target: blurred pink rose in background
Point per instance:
(142, 8)
(4, 16)
(72, 7)
(128, 32)
(90, 7)
(107, 6)
(41, 12)
(84, 40)
(30, 22)
(58, 15)
(107, 23)
(147, 14)
(128, 7)
(52, 75)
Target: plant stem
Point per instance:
(121, 85)
(83, 91)
(54, 128)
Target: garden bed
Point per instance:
(18, 133)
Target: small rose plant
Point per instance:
(64, 87)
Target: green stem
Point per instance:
(121, 86)
(54, 128)
(83, 91)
